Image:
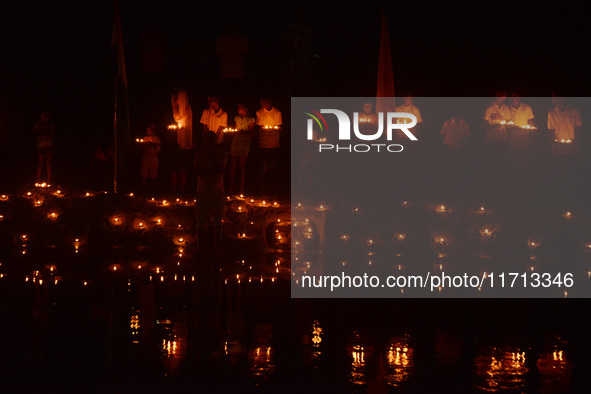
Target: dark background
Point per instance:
(57, 55)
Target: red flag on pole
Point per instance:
(385, 92)
(117, 41)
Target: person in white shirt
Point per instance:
(409, 107)
(269, 122)
(564, 124)
(495, 117)
(214, 119)
(521, 123)
(495, 167)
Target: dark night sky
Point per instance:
(58, 55)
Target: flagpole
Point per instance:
(117, 41)
(115, 140)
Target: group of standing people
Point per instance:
(505, 163)
(205, 149)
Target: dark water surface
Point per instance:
(199, 324)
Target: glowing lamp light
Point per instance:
(4, 197)
(441, 241)
(567, 215)
(564, 141)
(441, 209)
(400, 236)
(139, 140)
(487, 234)
(482, 210)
